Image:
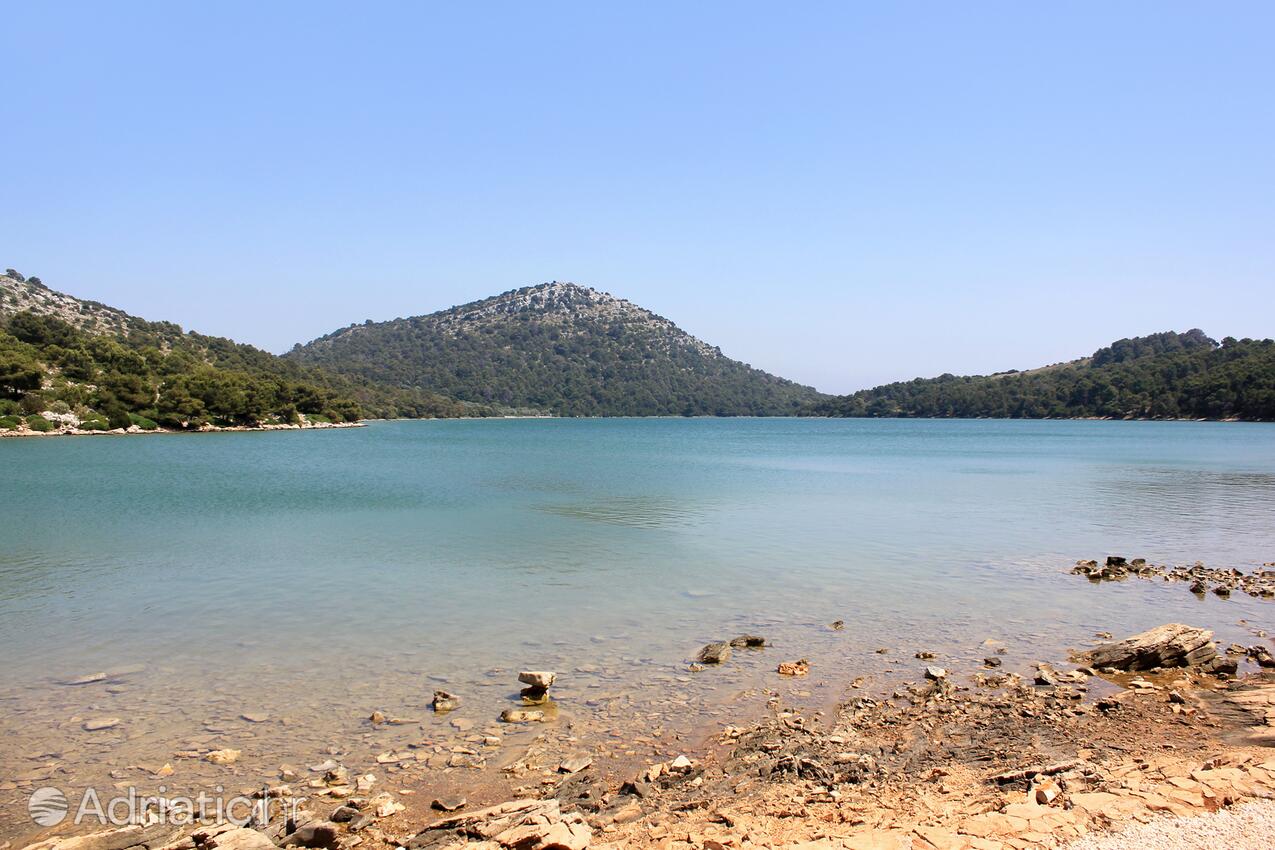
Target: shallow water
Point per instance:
(315, 576)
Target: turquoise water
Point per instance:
(355, 567)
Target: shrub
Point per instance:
(37, 422)
(94, 423)
(8, 423)
(317, 417)
(142, 422)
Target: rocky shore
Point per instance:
(1161, 723)
(72, 431)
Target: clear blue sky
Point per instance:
(841, 193)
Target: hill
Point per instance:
(567, 349)
(1162, 376)
(85, 361)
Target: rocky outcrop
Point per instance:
(1170, 645)
(516, 825)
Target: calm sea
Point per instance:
(313, 576)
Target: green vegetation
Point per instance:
(152, 374)
(559, 348)
(1163, 376)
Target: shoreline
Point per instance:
(967, 758)
(210, 429)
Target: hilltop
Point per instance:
(1162, 376)
(560, 347)
(68, 361)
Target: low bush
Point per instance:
(142, 422)
(9, 423)
(38, 423)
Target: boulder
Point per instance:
(1170, 645)
(516, 825)
(935, 674)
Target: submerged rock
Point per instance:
(98, 724)
(522, 715)
(714, 653)
(750, 641)
(1170, 645)
(444, 701)
(801, 667)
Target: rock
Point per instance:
(97, 724)
(444, 701)
(681, 764)
(935, 674)
(991, 661)
(1046, 674)
(222, 756)
(344, 814)
(1262, 656)
(516, 825)
(377, 718)
(240, 839)
(837, 625)
(534, 696)
(1198, 587)
(1044, 791)
(254, 716)
(925, 655)
(449, 804)
(1171, 645)
(522, 715)
(320, 834)
(461, 724)
(1177, 698)
(537, 678)
(750, 641)
(800, 667)
(1220, 665)
(87, 679)
(714, 653)
(575, 763)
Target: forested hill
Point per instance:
(84, 362)
(1162, 376)
(567, 349)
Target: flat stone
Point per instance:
(97, 724)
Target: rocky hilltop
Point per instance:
(20, 294)
(560, 347)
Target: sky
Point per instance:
(840, 193)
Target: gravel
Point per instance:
(1250, 826)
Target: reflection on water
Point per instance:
(318, 576)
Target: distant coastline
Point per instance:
(206, 429)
